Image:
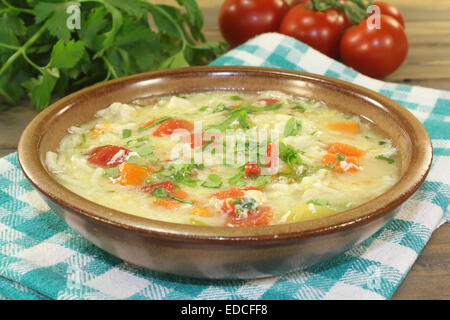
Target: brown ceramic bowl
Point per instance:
(223, 252)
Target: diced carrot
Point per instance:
(236, 105)
(345, 150)
(162, 202)
(142, 125)
(131, 174)
(180, 194)
(202, 212)
(347, 126)
(351, 165)
(231, 193)
(98, 129)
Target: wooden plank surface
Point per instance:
(427, 64)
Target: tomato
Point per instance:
(376, 52)
(169, 186)
(259, 217)
(321, 30)
(170, 125)
(390, 10)
(252, 169)
(105, 156)
(240, 20)
(197, 140)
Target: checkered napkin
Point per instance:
(42, 258)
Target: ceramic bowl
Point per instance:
(224, 252)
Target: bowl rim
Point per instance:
(35, 172)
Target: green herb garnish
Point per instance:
(339, 157)
(381, 157)
(214, 181)
(126, 133)
(263, 181)
(154, 123)
(137, 160)
(162, 193)
(111, 172)
(292, 128)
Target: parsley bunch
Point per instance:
(42, 54)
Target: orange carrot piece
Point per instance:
(201, 212)
(142, 125)
(329, 159)
(347, 126)
(180, 194)
(345, 150)
(131, 174)
(98, 129)
(166, 203)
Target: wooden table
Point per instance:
(427, 64)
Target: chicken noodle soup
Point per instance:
(226, 159)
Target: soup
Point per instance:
(226, 159)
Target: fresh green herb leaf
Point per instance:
(214, 181)
(234, 180)
(263, 181)
(339, 157)
(137, 160)
(179, 200)
(235, 98)
(381, 142)
(382, 157)
(292, 128)
(126, 133)
(115, 39)
(111, 172)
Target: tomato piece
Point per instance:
(229, 208)
(269, 101)
(252, 169)
(169, 186)
(390, 10)
(170, 125)
(375, 52)
(271, 148)
(260, 217)
(231, 193)
(321, 30)
(108, 156)
(240, 20)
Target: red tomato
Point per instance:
(169, 126)
(375, 52)
(240, 20)
(169, 186)
(252, 169)
(390, 10)
(321, 30)
(260, 217)
(105, 156)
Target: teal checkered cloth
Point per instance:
(42, 258)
